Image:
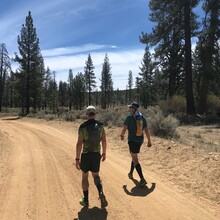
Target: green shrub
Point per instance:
(212, 119)
(10, 112)
(213, 104)
(185, 118)
(160, 125)
(175, 105)
(50, 117)
(112, 116)
(69, 117)
(41, 114)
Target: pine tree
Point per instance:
(89, 78)
(53, 94)
(168, 37)
(106, 83)
(70, 89)
(208, 53)
(31, 73)
(145, 83)
(63, 94)
(79, 90)
(46, 92)
(130, 85)
(38, 78)
(5, 68)
(188, 4)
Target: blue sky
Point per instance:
(69, 30)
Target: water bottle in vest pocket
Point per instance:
(139, 123)
(139, 126)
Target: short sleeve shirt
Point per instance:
(131, 124)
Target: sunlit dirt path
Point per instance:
(39, 181)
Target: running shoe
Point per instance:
(103, 200)
(130, 176)
(142, 182)
(83, 202)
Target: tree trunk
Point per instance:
(172, 83)
(203, 96)
(28, 90)
(188, 60)
(1, 81)
(207, 60)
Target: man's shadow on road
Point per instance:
(93, 213)
(139, 191)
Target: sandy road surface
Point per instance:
(39, 181)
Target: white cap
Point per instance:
(90, 109)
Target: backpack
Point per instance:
(139, 124)
(94, 131)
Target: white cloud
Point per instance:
(62, 24)
(121, 63)
(73, 50)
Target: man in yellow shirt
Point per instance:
(91, 138)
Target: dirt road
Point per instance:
(39, 181)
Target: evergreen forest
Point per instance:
(171, 68)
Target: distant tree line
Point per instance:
(169, 66)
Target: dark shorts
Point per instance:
(134, 147)
(90, 162)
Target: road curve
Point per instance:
(39, 181)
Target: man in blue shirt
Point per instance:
(136, 125)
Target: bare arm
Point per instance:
(78, 151)
(104, 145)
(124, 129)
(149, 144)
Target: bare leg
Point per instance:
(85, 181)
(134, 158)
(85, 187)
(98, 184)
(97, 181)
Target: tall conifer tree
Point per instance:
(79, 90)
(130, 85)
(31, 73)
(208, 53)
(70, 89)
(146, 80)
(106, 83)
(89, 78)
(171, 37)
(5, 67)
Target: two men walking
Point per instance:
(91, 148)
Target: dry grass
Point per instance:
(204, 137)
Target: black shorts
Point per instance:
(90, 162)
(134, 147)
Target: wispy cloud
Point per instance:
(69, 30)
(122, 61)
(77, 49)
